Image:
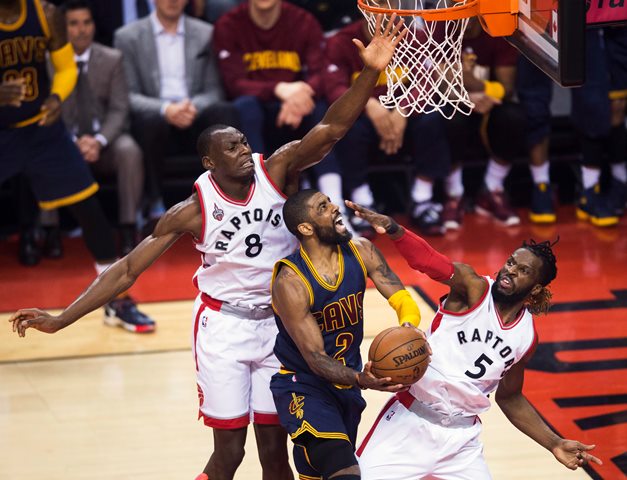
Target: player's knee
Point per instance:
(332, 458)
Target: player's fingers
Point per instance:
(389, 25)
(359, 44)
(582, 446)
(397, 26)
(378, 22)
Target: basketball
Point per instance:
(400, 353)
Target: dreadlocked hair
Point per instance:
(541, 302)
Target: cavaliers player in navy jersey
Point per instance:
(482, 336)
(34, 142)
(317, 296)
(233, 168)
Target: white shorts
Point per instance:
(234, 364)
(403, 446)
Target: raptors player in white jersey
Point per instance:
(481, 338)
(235, 219)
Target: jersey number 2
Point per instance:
(480, 364)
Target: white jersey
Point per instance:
(472, 351)
(241, 240)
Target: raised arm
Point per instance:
(181, 218)
(290, 300)
(288, 161)
(466, 286)
(524, 417)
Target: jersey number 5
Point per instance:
(480, 364)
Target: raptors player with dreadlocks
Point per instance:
(482, 336)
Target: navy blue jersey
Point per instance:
(23, 47)
(338, 309)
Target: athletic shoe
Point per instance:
(595, 208)
(453, 213)
(427, 216)
(123, 312)
(542, 205)
(496, 205)
(617, 196)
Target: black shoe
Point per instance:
(128, 239)
(595, 208)
(29, 253)
(427, 216)
(542, 209)
(53, 246)
(123, 312)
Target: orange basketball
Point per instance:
(400, 353)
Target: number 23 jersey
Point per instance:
(472, 351)
(241, 240)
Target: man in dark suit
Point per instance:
(175, 89)
(96, 113)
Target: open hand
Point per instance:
(34, 318)
(383, 43)
(381, 223)
(368, 380)
(573, 454)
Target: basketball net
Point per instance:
(425, 73)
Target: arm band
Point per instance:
(424, 258)
(494, 89)
(65, 71)
(406, 309)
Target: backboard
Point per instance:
(551, 33)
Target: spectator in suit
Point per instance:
(175, 89)
(271, 59)
(387, 131)
(96, 114)
(497, 122)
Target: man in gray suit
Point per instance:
(96, 114)
(174, 86)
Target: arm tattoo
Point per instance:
(332, 370)
(383, 268)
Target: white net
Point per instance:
(425, 73)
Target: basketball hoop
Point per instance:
(425, 74)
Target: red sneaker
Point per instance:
(453, 213)
(496, 205)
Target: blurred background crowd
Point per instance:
(154, 73)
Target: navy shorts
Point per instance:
(616, 47)
(307, 404)
(47, 156)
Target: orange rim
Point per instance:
(458, 12)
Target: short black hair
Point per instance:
(544, 252)
(295, 211)
(69, 5)
(203, 144)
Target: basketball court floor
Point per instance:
(92, 402)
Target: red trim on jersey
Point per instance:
(196, 321)
(267, 175)
(202, 211)
(374, 425)
(241, 203)
(221, 424)
(436, 321)
(474, 307)
(266, 418)
(210, 302)
(514, 323)
(406, 399)
(195, 282)
(532, 348)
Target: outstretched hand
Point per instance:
(34, 318)
(381, 223)
(573, 454)
(368, 380)
(382, 45)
